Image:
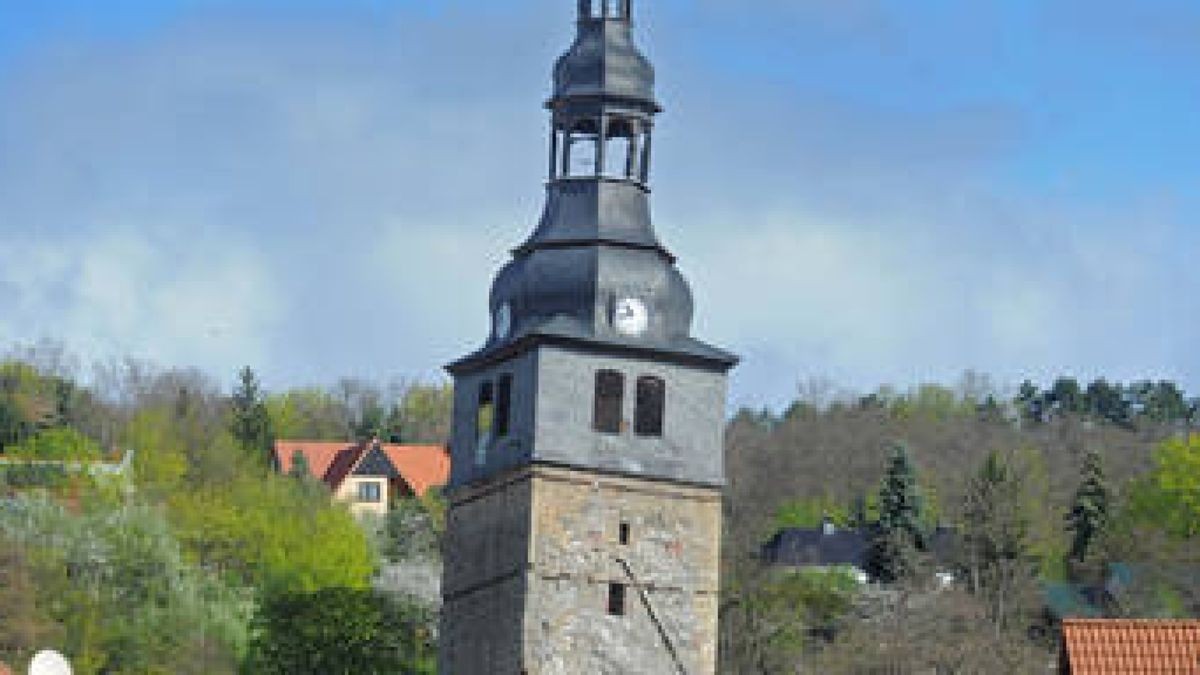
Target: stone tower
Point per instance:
(583, 533)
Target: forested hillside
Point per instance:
(200, 559)
(1046, 488)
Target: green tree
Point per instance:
(1169, 497)
(1088, 518)
(898, 535)
(59, 444)
(250, 421)
(340, 631)
(997, 540)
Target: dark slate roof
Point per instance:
(376, 463)
(813, 546)
(798, 547)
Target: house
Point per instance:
(367, 475)
(831, 547)
(1118, 646)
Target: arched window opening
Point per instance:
(485, 419)
(621, 149)
(610, 394)
(503, 405)
(651, 400)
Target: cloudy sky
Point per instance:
(865, 190)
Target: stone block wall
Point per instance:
(530, 559)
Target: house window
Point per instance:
(503, 405)
(616, 599)
(485, 419)
(651, 398)
(610, 393)
(369, 492)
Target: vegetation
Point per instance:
(201, 557)
(1084, 486)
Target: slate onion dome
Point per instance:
(595, 246)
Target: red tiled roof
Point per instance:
(1120, 646)
(421, 466)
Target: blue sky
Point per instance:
(865, 190)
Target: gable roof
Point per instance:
(1114, 646)
(420, 466)
(799, 546)
(805, 546)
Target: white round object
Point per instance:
(503, 321)
(49, 662)
(630, 317)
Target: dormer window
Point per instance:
(651, 401)
(610, 396)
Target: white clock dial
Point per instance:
(503, 321)
(630, 317)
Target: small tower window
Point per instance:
(610, 394)
(623, 534)
(485, 419)
(616, 599)
(651, 399)
(503, 405)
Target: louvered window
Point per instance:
(651, 400)
(610, 393)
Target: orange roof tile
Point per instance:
(421, 466)
(1120, 646)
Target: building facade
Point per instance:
(583, 532)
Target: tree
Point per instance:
(24, 626)
(1088, 518)
(997, 540)
(250, 422)
(300, 469)
(898, 534)
(59, 444)
(1169, 497)
(340, 630)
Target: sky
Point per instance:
(860, 191)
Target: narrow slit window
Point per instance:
(623, 534)
(651, 400)
(503, 405)
(610, 393)
(616, 599)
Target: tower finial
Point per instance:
(593, 10)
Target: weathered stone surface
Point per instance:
(530, 559)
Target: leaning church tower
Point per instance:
(583, 533)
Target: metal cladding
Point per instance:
(595, 242)
(604, 62)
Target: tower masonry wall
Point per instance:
(668, 565)
(532, 555)
(484, 576)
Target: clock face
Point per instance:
(630, 317)
(503, 321)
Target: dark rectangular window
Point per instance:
(616, 599)
(503, 405)
(651, 399)
(610, 394)
(623, 534)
